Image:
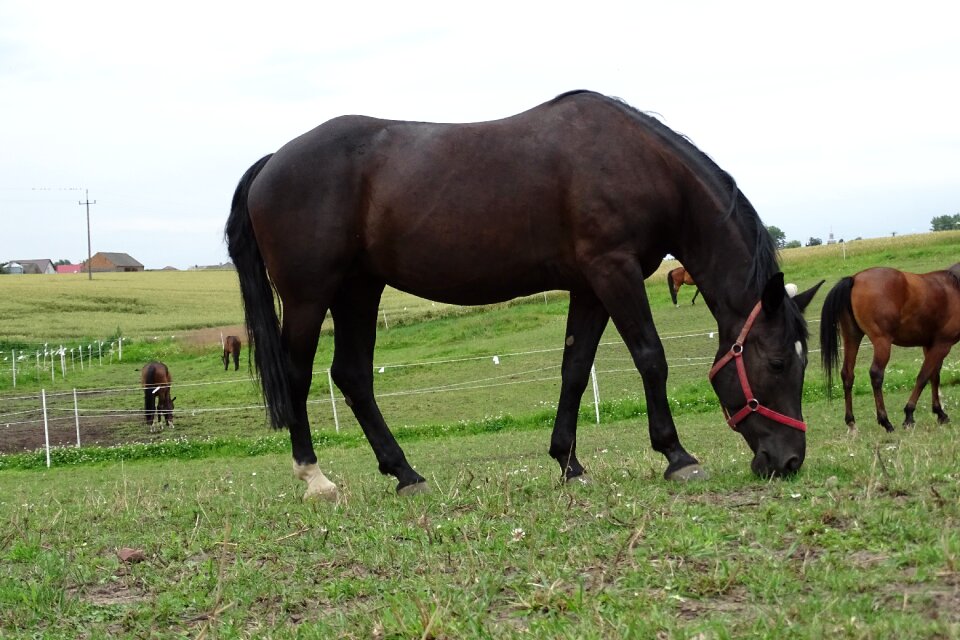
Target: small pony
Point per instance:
(155, 378)
(677, 277)
(231, 347)
(891, 307)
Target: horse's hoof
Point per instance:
(944, 419)
(328, 493)
(852, 429)
(690, 472)
(583, 478)
(413, 489)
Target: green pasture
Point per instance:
(863, 543)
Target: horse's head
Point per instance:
(759, 380)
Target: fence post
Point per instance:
(81, 357)
(596, 391)
(120, 344)
(76, 416)
(333, 402)
(13, 365)
(46, 428)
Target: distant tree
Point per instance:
(813, 242)
(60, 262)
(778, 236)
(793, 244)
(945, 223)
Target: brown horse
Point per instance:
(891, 307)
(231, 348)
(677, 277)
(582, 193)
(157, 403)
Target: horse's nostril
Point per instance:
(792, 465)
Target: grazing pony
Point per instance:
(231, 347)
(582, 193)
(677, 277)
(891, 307)
(157, 403)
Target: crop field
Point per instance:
(863, 543)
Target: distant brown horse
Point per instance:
(891, 307)
(157, 403)
(677, 277)
(231, 347)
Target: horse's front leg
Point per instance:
(929, 371)
(617, 280)
(586, 320)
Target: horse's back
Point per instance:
(912, 309)
(155, 373)
(518, 200)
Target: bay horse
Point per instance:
(676, 278)
(582, 193)
(891, 307)
(157, 403)
(231, 348)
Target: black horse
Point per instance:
(583, 193)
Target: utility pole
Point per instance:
(89, 252)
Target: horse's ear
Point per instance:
(804, 298)
(773, 294)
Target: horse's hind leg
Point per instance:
(355, 333)
(881, 356)
(586, 321)
(852, 335)
(929, 371)
(300, 333)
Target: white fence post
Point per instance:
(333, 401)
(76, 416)
(81, 357)
(596, 391)
(120, 344)
(46, 428)
(13, 366)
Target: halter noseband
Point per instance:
(753, 405)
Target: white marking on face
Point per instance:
(799, 349)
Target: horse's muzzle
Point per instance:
(766, 465)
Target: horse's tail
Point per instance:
(256, 291)
(673, 289)
(836, 307)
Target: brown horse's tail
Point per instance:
(836, 307)
(256, 291)
(673, 289)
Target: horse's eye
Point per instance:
(776, 366)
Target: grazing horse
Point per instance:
(891, 307)
(677, 277)
(231, 347)
(155, 378)
(583, 193)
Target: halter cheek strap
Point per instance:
(753, 405)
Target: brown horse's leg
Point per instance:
(881, 356)
(929, 370)
(149, 406)
(586, 321)
(355, 333)
(300, 333)
(619, 285)
(851, 336)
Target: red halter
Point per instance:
(753, 405)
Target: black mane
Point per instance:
(765, 257)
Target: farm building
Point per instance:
(33, 266)
(103, 261)
(12, 268)
(69, 268)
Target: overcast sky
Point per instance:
(832, 116)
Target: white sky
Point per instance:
(841, 116)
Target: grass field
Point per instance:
(863, 544)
